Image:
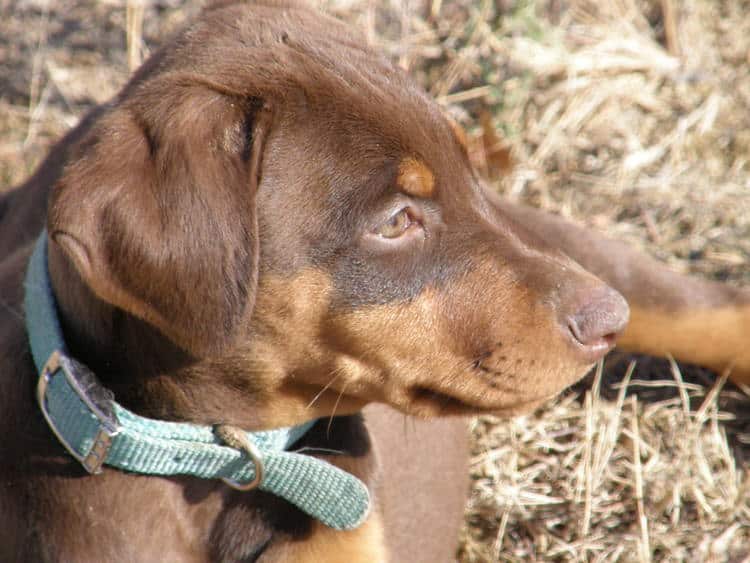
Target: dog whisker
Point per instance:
(409, 424)
(315, 450)
(323, 390)
(333, 413)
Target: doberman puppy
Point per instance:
(271, 225)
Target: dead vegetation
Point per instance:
(590, 479)
(632, 116)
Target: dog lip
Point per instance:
(420, 395)
(448, 404)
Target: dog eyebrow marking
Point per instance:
(415, 178)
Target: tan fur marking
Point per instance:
(414, 178)
(402, 348)
(366, 544)
(386, 352)
(717, 338)
(289, 359)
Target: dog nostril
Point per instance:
(597, 322)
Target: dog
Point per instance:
(270, 228)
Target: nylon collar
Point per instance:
(97, 431)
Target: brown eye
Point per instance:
(396, 225)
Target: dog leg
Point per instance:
(424, 483)
(694, 320)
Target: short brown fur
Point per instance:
(216, 256)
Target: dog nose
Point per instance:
(602, 313)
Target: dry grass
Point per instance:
(630, 115)
(612, 480)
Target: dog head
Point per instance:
(302, 224)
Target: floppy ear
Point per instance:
(156, 209)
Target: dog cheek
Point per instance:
(288, 316)
(396, 341)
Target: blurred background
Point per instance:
(630, 116)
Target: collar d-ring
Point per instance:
(237, 438)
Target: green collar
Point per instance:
(97, 431)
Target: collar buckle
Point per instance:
(237, 438)
(96, 399)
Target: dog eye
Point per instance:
(396, 225)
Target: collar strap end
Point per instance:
(88, 436)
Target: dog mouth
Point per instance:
(422, 397)
(431, 402)
(484, 392)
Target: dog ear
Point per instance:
(156, 208)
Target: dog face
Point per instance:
(303, 222)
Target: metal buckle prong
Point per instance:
(96, 398)
(237, 438)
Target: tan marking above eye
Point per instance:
(415, 178)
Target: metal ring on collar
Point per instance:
(237, 438)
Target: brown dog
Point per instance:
(270, 225)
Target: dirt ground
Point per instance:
(631, 116)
